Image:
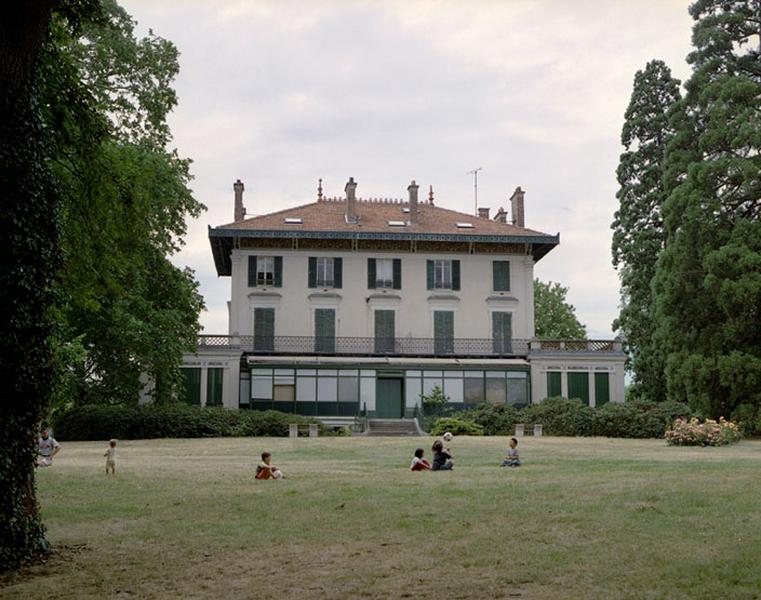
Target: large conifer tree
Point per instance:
(638, 226)
(708, 279)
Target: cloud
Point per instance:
(281, 93)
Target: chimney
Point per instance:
(412, 189)
(516, 207)
(483, 213)
(351, 201)
(501, 216)
(240, 210)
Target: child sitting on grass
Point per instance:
(442, 459)
(111, 457)
(265, 470)
(512, 459)
(418, 462)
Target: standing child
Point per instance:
(442, 459)
(266, 470)
(111, 457)
(47, 448)
(418, 462)
(512, 459)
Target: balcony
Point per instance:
(404, 347)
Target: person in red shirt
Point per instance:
(418, 462)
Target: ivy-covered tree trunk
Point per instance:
(29, 249)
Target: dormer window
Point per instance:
(397, 224)
(464, 225)
(293, 221)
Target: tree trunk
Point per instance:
(29, 248)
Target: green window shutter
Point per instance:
(264, 329)
(397, 273)
(338, 273)
(455, 274)
(251, 271)
(384, 331)
(501, 275)
(602, 389)
(443, 331)
(554, 386)
(278, 271)
(325, 330)
(191, 380)
(429, 274)
(370, 273)
(578, 386)
(502, 332)
(214, 386)
(312, 282)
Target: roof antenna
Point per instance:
(474, 172)
(430, 195)
(319, 190)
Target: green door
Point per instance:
(602, 389)
(325, 330)
(554, 387)
(214, 386)
(191, 385)
(578, 386)
(388, 399)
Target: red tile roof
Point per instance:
(374, 216)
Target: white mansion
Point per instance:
(350, 306)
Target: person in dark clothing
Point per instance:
(442, 459)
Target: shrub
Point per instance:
(102, 422)
(456, 427)
(637, 419)
(748, 419)
(709, 433)
(560, 416)
(496, 419)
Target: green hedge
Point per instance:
(563, 417)
(456, 427)
(102, 422)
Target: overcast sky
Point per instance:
(279, 94)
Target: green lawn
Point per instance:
(583, 518)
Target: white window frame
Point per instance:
(442, 274)
(325, 276)
(384, 273)
(265, 270)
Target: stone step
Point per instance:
(392, 427)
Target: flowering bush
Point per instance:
(709, 433)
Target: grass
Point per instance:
(583, 518)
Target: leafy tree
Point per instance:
(554, 317)
(707, 287)
(126, 199)
(638, 233)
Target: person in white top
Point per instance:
(111, 457)
(47, 448)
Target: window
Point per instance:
(265, 270)
(384, 273)
(501, 275)
(443, 274)
(325, 272)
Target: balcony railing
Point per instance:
(408, 346)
